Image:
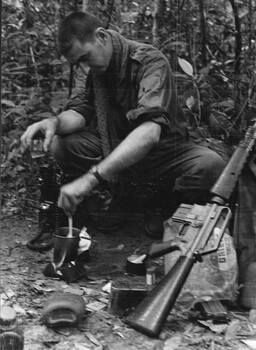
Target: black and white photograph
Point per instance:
(128, 175)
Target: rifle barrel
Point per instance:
(225, 184)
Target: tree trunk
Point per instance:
(156, 22)
(203, 32)
(86, 5)
(118, 13)
(250, 24)
(238, 36)
(188, 30)
(108, 12)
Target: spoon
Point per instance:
(70, 225)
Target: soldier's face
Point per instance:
(95, 54)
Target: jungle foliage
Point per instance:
(210, 46)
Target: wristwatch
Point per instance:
(94, 171)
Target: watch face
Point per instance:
(93, 169)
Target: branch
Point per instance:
(34, 63)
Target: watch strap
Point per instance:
(94, 171)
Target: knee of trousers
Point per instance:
(202, 174)
(212, 166)
(209, 169)
(61, 148)
(68, 149)
(74, 153)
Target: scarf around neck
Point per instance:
(104, 92)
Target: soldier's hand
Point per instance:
(70, 197)
(47, 127)
(73, 193)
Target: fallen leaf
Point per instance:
(188, 330)
(116, 249)
(81, 347)
(19, 310)
(104, 300)
(238, 316)
(38, 288)
(252, 316)
(100, 347)
(24, 270)
(92, 338)
(216, 328)
(89, 291)
(120, 335)
(64, 332)
(98, 281)
(74, 291)
(232, 330)
(64, 285)
(107, 287)
(50, 342)
(3, 298)
(5, 268)
(116, 327)
(212, 346)
(250, 342)
(9, 293)
(173, 343)
(37, 301)
(95, 306)
(32, 313)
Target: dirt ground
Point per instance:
(24, 286)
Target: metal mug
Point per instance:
(65, 248)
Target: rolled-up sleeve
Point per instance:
(157, 99)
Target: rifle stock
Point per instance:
(152, 312)
(149, 316)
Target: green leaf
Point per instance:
(56, 61)
(19, 168)
(185, 66)
(7, 103)
(190, 102)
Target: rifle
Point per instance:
(202, 228)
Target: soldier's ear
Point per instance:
(101, 34)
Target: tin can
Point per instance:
(11, 333)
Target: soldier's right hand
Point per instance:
(47, 127)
